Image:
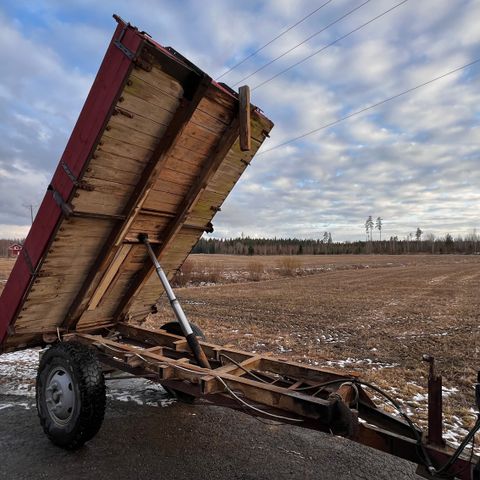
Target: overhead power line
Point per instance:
(370, 107)
(275, 38)
(329, 45)
(301, 43)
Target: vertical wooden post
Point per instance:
(244, 115)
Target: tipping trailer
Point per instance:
(157, 148)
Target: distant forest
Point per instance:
(326, 246)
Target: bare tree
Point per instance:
(325, 241)
(418, 237)
(431, 240)
(369, 227)
(378, 226)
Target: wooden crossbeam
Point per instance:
(157, 160)
(209, 169)
(208, 379)
(244, 113)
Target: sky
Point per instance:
(412, 161)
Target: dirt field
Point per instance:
(374, 314)
(6, 265)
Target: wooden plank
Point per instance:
(108, 198)
(186, 164)
(229, 137)
(137, 123)
(270, 395)
(177, 189)
(215, 111)
(120, 132)
(124, 149)
(162, 202)
(245, 128)
(151, 94)
(142, 108)
(136, 200)
(108, 276)
(160, 80)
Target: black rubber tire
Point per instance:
(88, 383)
(175, 329)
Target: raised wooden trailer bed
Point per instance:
(156, 150)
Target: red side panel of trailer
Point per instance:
(105, 89)
(156, 150)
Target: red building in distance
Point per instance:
(14, 250)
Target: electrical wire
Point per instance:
(471, 434)
(241, 367)
(263, 412)
(324, 384)
(418, 438)
(329, 45)
(240, 400)
(273, 39)
(358, 112)
(301, 43)
(426, 457)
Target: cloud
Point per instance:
(413, 161)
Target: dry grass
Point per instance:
(184, 275)
(255, 270)
(6, 265)
(202, 269)
(289, 266)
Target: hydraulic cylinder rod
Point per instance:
(192, 340)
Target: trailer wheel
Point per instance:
(175, 329)
(70, 394)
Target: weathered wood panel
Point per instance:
(138, 125)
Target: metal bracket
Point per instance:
(66, 209)
(70, 174)
(140, 62)
(74, 179)
(28, 260)
(118, 41)
(126, 51)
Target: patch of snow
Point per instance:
(18, 372)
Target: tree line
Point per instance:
(447, 244)
(413, 243)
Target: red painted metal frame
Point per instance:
(105, 89)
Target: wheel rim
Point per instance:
(60, 396)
